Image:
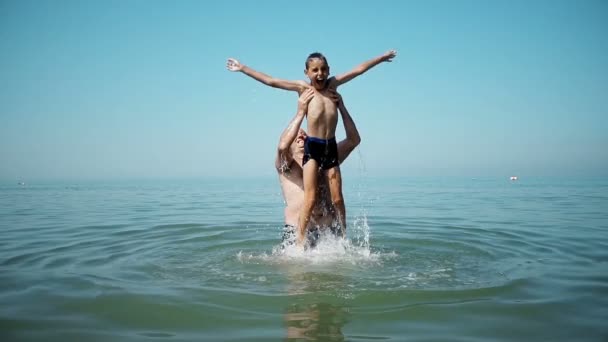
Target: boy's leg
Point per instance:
(334, 179)
(310, 171)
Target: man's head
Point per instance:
(297, 147)
(317, 70)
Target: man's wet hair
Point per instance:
(315, 55)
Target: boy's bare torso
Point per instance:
(322, 117)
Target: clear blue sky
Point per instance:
(138, 89)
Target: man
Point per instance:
(288, 164)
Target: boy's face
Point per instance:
(317, 72)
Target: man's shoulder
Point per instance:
(293, 171)
(290, 172)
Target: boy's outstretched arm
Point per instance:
(365, 66)
(346, 146)
(234, 65)
(284, 157)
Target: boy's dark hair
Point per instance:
(313, 56)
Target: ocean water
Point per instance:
(426, 259)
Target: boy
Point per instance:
(320, 145)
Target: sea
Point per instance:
(424, 259)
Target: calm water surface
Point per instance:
(425, 260)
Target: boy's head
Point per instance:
(317, 70)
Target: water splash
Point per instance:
(360, 227)
(330, 250)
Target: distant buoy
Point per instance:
(513, 178)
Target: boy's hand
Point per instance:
(233, 65)
(389, 55)
(304, 100)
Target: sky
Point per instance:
(138, 89)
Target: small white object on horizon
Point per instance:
(513, 178)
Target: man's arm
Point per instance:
(234, 65)
(346, 146)
(284, 157)
(365, 66)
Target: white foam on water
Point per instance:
(329, 250)
(353, 250)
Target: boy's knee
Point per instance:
(334, 175)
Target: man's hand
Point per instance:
(335, 97)
(304, 100)
(233, 65)
(389, 55)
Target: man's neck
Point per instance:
(297, 158)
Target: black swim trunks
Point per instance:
(324, 151)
